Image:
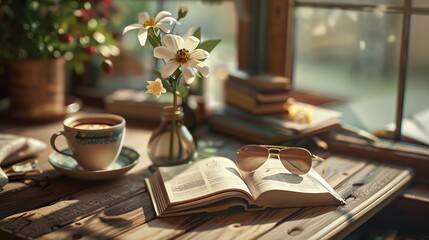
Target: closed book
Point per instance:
(247, 99)
(263, 82)
(253, 94)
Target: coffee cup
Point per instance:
(94, 140)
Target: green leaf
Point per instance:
(157, 73)
(152, 41)
(183, 91)
(197, 33)
(176, 74)
(166, 85)
(209, 45)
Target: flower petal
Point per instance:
(132, 27)
(143, 16)
(169, 68)
(164, 27)
(164, 53)
(180, 42)
(170, 42)
(203, 69)
(199, 54)
(191, 43)
(188, 74)
(163, 90)
(170, 20)
(142, 35)
(161, 15)
(189, 32)
(192, 62)
(155, 87)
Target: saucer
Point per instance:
(127, 159)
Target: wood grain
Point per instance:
(45, 219)
(361, 192)
(278, 26)
(32, 196)
(110, 222)
(246, 225)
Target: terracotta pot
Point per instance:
(37, 87)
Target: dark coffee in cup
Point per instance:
(92, 126)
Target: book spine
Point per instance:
(250, 105)
(264, 83)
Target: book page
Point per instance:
(274, 176)
(320, 116)
(201, 178)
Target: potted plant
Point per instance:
(40, 37)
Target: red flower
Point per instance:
(107, 66)
(91, 50)
(66, 38)
(86, 14)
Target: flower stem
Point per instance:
(173, 121)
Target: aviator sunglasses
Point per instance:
(295, 159)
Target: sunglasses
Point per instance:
(295, 159)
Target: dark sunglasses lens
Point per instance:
(296, 160)
(250, 158)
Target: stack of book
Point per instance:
(259, 109)
(258, 94)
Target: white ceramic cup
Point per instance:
(94, 140)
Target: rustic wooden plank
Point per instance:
(12, 187)
(339, 168)
(43, 220)
(110, 222)
(280, 23)
(36, 195)
(165, 228)
(374, 185)
(233, 224)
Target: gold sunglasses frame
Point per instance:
(279, 149)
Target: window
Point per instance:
(217, 19)
(357, 51)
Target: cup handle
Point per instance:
(53, 138)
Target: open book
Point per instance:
(215, 184)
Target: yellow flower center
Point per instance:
(182, 55)
(149, 22)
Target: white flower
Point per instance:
(182, 53)
(145, 22)
(155, 87)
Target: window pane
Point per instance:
(352, 56)
(417, 87)
(217, 21)
(420, 3)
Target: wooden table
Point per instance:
(58, 207)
